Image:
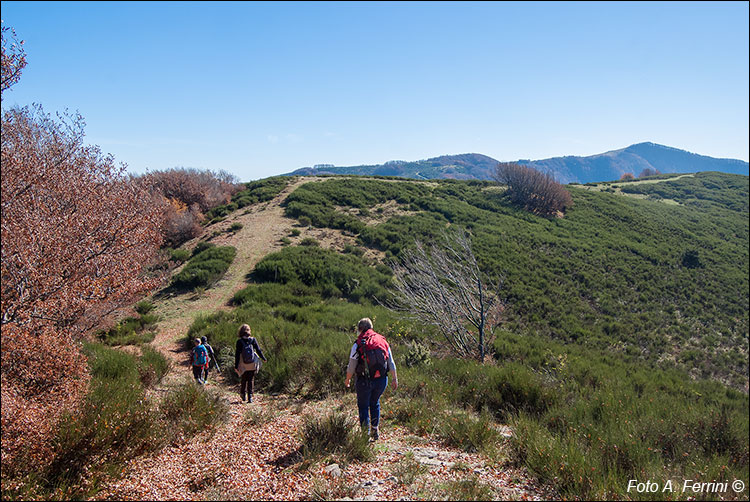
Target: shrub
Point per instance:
(179, 255)
(334, 434)
(191, 408)
(691, 259)
(649, 172)
(152, 366)
(536, 191)
(144, 307)
(205, 268)
(408, 469)
(115, 423)
(417, 354)
(235, 227)
(132, 330)
(414, 414)
(202, 246)
(467, 489)
(470, 433)
(309, 241)
(323, 270)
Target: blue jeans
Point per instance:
(368, 399)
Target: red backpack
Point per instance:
(373, 355)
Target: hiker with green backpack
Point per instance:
(371, 359)
(199, 360)
(246, 361)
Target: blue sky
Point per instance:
(259, 89)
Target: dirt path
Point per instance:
(263, 226)
(255, 455)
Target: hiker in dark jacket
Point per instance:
(246, 370)
(211, 357)
(370, 386)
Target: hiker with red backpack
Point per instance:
(246, 361)
(199, 360)
(371, 359)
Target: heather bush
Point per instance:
(190, 408)
(334, 434)
(204, 268)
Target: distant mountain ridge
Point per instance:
(608, 166)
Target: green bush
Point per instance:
(190, 409)
(334, 434)
(309, 241)
(470, 433)
(132, 330)
(254, 192)
(408, 469)
(417, 354)
(325, 270)
(144, 307)
(179, 255)
(202, 246)
(115, 423)
(204, 268)
(152, 366)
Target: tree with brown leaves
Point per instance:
(13, 58)
(76, 236)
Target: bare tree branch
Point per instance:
(445, 288)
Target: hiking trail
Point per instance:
(256, 453)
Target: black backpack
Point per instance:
(248, 352)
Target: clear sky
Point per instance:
(259, 89)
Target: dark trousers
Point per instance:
(198, 374)
(368, 399)
(246, 381)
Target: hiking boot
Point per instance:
(242, 397)
(374, 434)
(249, 399)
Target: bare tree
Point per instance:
(534, 190)
(444, 287)
(649, 172)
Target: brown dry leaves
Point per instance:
(248, 460)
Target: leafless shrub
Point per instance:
(444, 287)
(533, 190)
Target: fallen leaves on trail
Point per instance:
(249, 461)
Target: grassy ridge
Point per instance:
(609, 275)
(612, 308)
(585, 420)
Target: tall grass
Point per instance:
(115, 423)
(334, 434)
(191, 409)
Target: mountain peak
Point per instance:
(606, 166)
